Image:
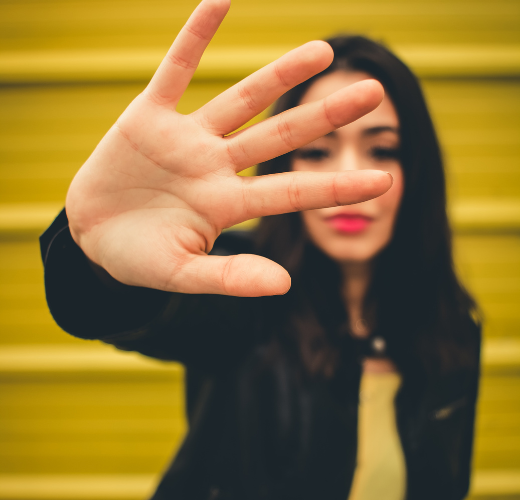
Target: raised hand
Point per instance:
(159, 188)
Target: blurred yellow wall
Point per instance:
(79, 420)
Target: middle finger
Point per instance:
(237, 105)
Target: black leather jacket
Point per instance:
(257, 428)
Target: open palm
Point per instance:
(149, 203)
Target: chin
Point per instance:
(358, 248)
(342, 254)
(351, 251)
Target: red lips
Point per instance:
(349, 223)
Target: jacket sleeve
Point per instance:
(200, 330)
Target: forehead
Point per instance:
(384, 114)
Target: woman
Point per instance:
(273, 380)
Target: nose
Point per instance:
(349, 159)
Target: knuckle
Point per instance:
(203, 119)
(284, 132)
(157, 98)
(336, 191)
(181, 62)
(280, 76)
(246, 199)
(333, 121)
(176, 265)
(227, 273)
(196, 33)
(236, 152)
(295, 195)
(247, 98)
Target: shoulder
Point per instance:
(474, 330)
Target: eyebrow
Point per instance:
(379, 130)
(372, 131)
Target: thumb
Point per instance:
(242, 275)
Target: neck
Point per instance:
(356, 280)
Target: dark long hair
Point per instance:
(415, 300)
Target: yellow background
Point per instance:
(79, 420)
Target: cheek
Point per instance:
(313, 224)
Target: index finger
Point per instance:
(176, 69)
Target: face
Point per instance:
(354, 233)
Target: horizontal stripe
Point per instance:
(76, 487)
(61, 358)
(231, 63)
(469, 214)
(57, 358)
(485, 213)
(139, 486)
(496, 482)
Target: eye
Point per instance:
(312, 154)
(381, 153)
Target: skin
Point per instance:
(371, 142)
(160, 187)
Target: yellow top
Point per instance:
(381, 469)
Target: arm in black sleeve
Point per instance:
(78, 300)
(193, 329)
